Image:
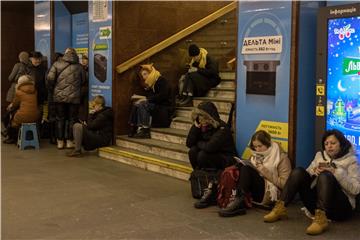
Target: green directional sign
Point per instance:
(351, 66)
(105, 32)
(100, 46)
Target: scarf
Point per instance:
(153, 75)
(202, 62)
(270, 160)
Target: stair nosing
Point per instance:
(215, 99)
(159, 130)
(183, 148)
(189, 109)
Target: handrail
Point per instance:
(174, 38)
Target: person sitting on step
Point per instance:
(97, 131)
(202, 75)
(261, 177)
(211, 146)
(156, 108)
(327, 188)
(24, 107)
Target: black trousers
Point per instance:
(200, 159)
(66, 115)
(250, 182)
(327, 194)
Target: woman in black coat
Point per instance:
(154, 110)
(97, 131)
(202, 75)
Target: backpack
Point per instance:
(228, 182)
(199, 180)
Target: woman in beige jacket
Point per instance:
(262, 177)
(327, 188)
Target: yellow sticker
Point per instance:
(320, 111)
(320, 90)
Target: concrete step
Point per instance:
(222, 92)
(222, 104)
(225, 83)
(172, 135)
(185, 112)
(150, 162)
(160, 148)
(227, 75)
(181, 123)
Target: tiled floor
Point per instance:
(48, 196)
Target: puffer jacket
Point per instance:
(26, 102)
(217, 138)
(347, 172)
(65, 79)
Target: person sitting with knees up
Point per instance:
(24, 107)
(211, 146)
(156, 109)
(261, 178)
(202, 75)
(97, 131)
(327, 188)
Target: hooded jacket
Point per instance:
(347, 172)
(216, 138)
(26, 102)
(65, 78)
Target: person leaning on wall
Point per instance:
(327, 188)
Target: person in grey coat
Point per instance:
(19, 69)
(65, 79)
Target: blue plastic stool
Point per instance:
(23, 142)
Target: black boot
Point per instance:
(236, 206)
(12, 136)
(187, 102)
(143, 133)
(208, 198)
(132, 131)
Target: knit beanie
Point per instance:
(194, 50)
(24, 57)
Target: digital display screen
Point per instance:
(343, 77)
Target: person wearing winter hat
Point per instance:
(64, 80)
(24, 106)
(202, 75)
(19, 69)
(327, 188)
(211, 145)
(156, 108)
(261, 177)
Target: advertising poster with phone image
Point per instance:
(343, 78)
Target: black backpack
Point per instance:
(199, 180)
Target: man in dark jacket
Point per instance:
(38, 73)
(202, 75)
(65, 79)
(211, 145)
(97, 131)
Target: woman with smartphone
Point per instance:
(327, 188)
(261, 177)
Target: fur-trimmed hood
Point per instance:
(26, 84)
(209, 112)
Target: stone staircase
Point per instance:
(166, 152)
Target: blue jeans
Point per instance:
(141, 114)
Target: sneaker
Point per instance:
(75, 153)
(235, 206)
(187, 102)
(207, 199)
(143, 133)
(70, 144)
(60, 144)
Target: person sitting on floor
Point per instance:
(262, 179)
(154, 110)
(211, 145)
(327, 188)
(96, 132)
(24, 106)
(202, 75)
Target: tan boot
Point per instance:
(278, 212)
(60, 144)
(319, 224)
